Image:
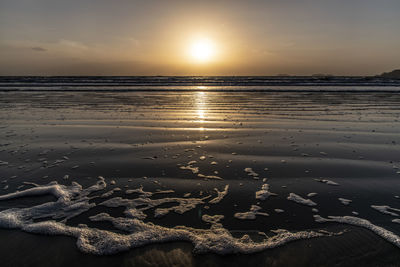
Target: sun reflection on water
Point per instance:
(201, 106)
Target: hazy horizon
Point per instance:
(249, 38)
(133, 75)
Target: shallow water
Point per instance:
(297, 141)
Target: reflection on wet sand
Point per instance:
(176, 152)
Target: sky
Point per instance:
(149, 37)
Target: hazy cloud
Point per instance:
(258, 37)
(38, 49)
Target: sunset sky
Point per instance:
(102, 37)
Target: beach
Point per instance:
(200, 177)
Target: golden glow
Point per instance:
(202, 50)
(201, 115)
(201, 107)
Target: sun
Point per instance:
(202, 50)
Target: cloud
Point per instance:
(73, 44)
(38, 49)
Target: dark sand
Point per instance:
(141, 138)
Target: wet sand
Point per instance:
(356, 247)
(294, 142)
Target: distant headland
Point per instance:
(395, 74)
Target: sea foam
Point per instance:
(386, 234)
(298, 199)
(74, 199)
